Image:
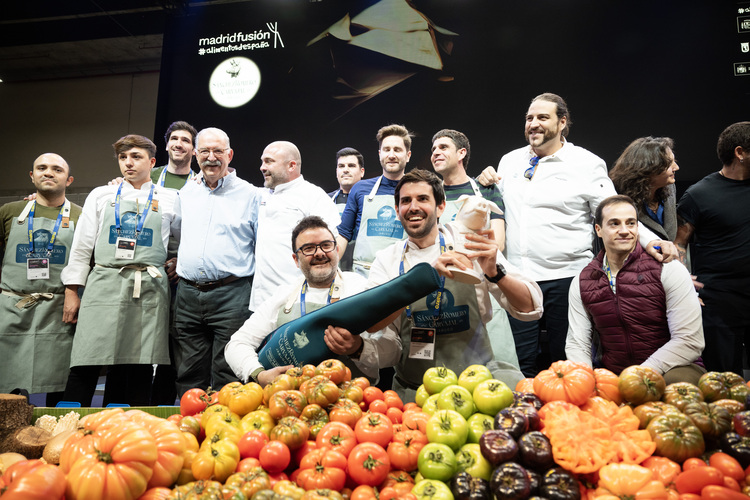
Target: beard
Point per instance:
(320, 276)
(427, 224)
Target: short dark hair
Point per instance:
(459, 139)
(737, 134)
(394, 129)
(562, 108)
(422, 175)
(612, 200)
(309, 222)
(351, 152)
(179, 125)
(130, 141)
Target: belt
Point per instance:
(205, 286)
(406, 384)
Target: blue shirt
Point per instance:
(350, 219)
(218, 229)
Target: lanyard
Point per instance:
(303, 292)
(141, 217)
(163, 177)
(64, 209)
(335, 194)
(438, 299)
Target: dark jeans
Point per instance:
(205, 321)
(726, 327)
(128, 384)
(555, 320)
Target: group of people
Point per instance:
(191, 271)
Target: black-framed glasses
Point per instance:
(529, 173)
(327, 246)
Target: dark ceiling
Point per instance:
(52, 39)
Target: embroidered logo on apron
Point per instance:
(386, 224)
(41, 240)
(129, 220)
(452, 319)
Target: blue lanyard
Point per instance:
(303, 292)
(163, 177)
(141, 217)
(438, 299)
(52, 239)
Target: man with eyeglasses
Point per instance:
(551, 189)
(287, 199)
(215, 263)
(320, 284)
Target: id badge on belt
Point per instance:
(125, 248)
(422, 345)
(37, 268)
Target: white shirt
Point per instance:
(91, 222)
(386, 350)
(683, 318)
(550, 218)
(240, 351)
(280, 211)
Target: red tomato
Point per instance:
(378, 406)
(275, 456)
(374, 428)
(692, 463)
(337, 436)
(32, 480)
(368, 463)
(393, 400)
(721, 493)
(731, 483)
(247, 464)
(728, 465)
(196, 400)
(411, 406)
(395, 415)
(251, 443)
(372, 393)
(694, 480)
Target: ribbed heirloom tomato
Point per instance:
(32, 480)
(565, 381)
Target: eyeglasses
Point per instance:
(218, 153)
(529, 173)
(310, 249)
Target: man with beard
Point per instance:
(551, 189)
(180, 139)
(321, 283)
(35, 241)
(350, 167)
(446, 328)
(288, 198)
(369, 217)
(215, 263)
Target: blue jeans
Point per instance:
(555, 321)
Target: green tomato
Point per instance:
(447, 427)
(491, 396)
(472, 375)
(437, 378)
(457, 398)
(478, 423)
(427, 489)
(471, 460)
(421, 396)
(430, 405)
(437, 461)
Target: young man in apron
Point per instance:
(122, 318)
(350, 167)
(35, 241)
(446, 328)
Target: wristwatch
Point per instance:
(500, 274)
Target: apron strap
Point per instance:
(151, 270)
(28, 299)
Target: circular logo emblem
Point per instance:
(234, 82)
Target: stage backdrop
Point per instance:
(327, 74)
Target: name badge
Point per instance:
(37, 268)
(422, 345)
(125, 248)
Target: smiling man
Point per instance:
(31, 302)
(321, 283)
(350, 167)
(639, 311)
(446, 328)
(122, 318)
(180, 139)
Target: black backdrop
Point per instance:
(627, 68)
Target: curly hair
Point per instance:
(633, 170)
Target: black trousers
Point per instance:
(125, 384)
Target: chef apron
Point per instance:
(34, 341)
(346, 261)
(297, 306)
(124, 312)
(379, 228)
(501, 335)
(460, 338)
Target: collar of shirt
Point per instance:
(287, 185)
(226, 180)
(127, 186)
(558, 155)
(412, 247)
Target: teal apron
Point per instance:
(34, 341)
(292, 311)
(124, 312)
(379, 228)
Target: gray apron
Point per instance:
(34, 341)
(452, 206)
(125, 307)
(292, 311)
(379, 228)
(461, 338)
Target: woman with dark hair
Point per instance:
(645, 172)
